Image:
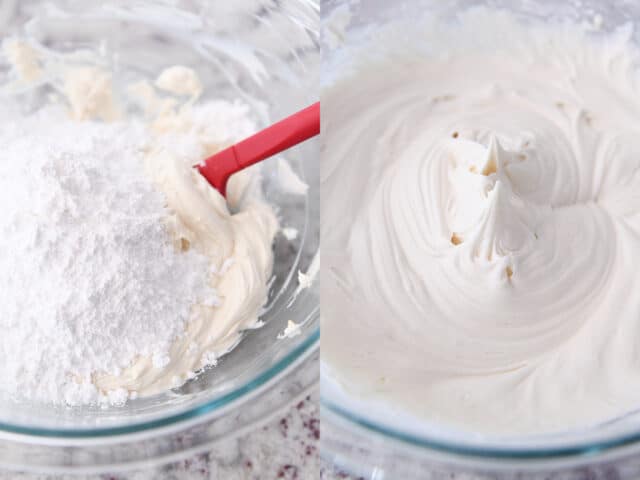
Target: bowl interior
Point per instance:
(383, 421)
(262, 52)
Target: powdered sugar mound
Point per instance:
(89, 275)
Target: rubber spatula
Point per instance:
(274, 139)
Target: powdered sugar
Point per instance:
(90, 276)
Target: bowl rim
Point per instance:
(431, 443)
(180, 419)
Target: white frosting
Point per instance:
(480, 224)
(23, 58)
(291, 330)
(335, 24)
(290, 233)
(180, 80)
(89, 91)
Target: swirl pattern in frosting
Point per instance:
(481, 224)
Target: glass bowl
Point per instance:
(387, 444)
(267, 54)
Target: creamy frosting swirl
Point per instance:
(480, 223)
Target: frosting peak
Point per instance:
(487, 218)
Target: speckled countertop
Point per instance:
(286, 448)
(329, 472)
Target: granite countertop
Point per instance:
(286, 448)
(329, 472)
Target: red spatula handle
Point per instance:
(274, 139)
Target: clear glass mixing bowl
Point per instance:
(375, 447)
(265, 52)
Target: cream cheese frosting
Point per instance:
(238, 246)
(480, 223)
(235, 233)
